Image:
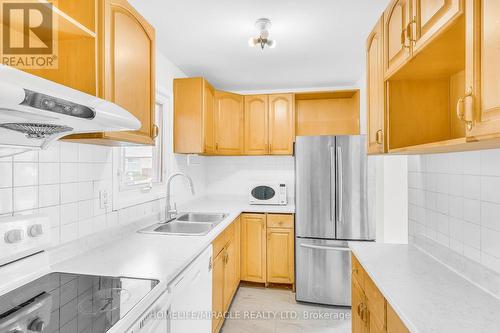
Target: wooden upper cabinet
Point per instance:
(229, 123)
(128, 67)
(209, 119)
(253, 247)
(256, 125)
(281, 124)
(482, 106)
(375, 89)
(126, 71)
(194, 116)
(430, 16)
(396, 37)
(269, 124)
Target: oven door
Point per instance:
(264, 194)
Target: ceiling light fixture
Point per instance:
(263, 25)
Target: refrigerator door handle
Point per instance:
(340, 182)
(332, 183)
(330, 248)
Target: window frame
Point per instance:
(133, 195)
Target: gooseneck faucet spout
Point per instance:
(171, 212)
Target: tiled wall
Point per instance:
(234, 175)
(63, 182)
(454, 200)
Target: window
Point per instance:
(140, 171)
(142, 166)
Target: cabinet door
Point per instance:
(237, 228)
(394, 323)
(280, 255)
(217, 291)
(376, 307)
(229, 273)
(432, 15)
(375, 87)
(483, 69)
(229, 123)
(281, 124)
(397, 45)
(128, 61)
(253, 247)
(358, 302)
(256, 125)
(208, 119)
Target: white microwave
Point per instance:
(268, 194)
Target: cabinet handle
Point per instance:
(410, 32)
(379, 137)
(461, 110)
(216, 146)
(156, 131)
(403, 39)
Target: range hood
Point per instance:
(35, 112)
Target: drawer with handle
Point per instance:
(280, 221)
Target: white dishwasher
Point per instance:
(191, 307)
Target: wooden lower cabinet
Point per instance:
(371, 313)
(267, 248)
(280, 255)
(358, 302)
(225, 272)
(217, 291)
(394, 324)
(253, 247)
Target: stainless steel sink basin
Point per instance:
(182, 228)
(187, 224)
(202, 217)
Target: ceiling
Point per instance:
(320, 43)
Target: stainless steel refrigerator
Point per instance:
(331, 208)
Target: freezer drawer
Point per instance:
(323, 271)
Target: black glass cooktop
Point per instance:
(62, 302)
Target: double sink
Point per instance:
(187, 224)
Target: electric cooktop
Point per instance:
(63, 302)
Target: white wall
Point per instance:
(388, 185)
(234, 175)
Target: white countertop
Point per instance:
(427, 296)
(159, 256)
(156, 256)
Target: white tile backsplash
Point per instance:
(462, 193)
(25, 174)
(235, 175)
(5, 200)
(63, 183)
(5, 174)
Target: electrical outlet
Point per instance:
(103, 199)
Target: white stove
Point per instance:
(34, 299)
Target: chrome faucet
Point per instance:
(171, 212)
